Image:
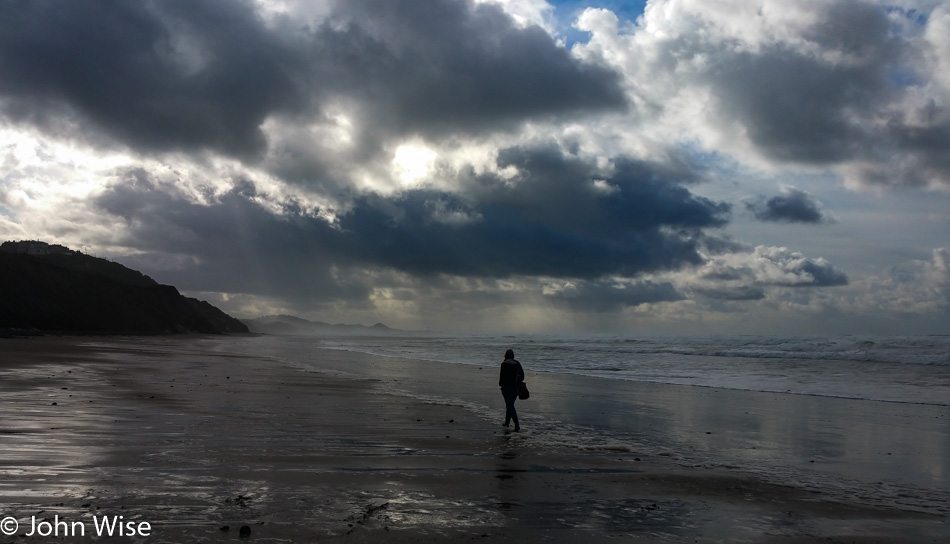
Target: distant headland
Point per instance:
(289, 324)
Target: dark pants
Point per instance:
(511, 395)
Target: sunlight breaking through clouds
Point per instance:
(407, 160)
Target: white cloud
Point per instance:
(849, 86)
(917, 288)
(745, 274)
(528, 12)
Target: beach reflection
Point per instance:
(851, 446)
(508, 470)
(162, 430)
(54, 430)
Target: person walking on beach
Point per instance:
(511, 375)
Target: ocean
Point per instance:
(908, 369)
(863, 419)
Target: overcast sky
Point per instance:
(673, 166)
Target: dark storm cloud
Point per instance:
(205, 74)
(848, 91)
(233, 245)
(636, 196)
(798, 106)
(792, 206)
(550, 222)
(436, 66)
(822, 274)
(126, 68)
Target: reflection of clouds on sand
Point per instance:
(773, 435)
(508, 469)
(204, 438)
(416, 510)
(521, 470)
(52, 419)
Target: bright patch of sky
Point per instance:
(566, 13)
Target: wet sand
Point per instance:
(196, 434)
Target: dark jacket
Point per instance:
(511, 373)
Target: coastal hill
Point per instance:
(51, 288)
(289, 324)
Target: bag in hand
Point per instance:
(523, 391)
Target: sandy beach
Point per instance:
(200, 436)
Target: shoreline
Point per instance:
(835, 367)
(192, 434)
(802, 435)
(657, 382)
